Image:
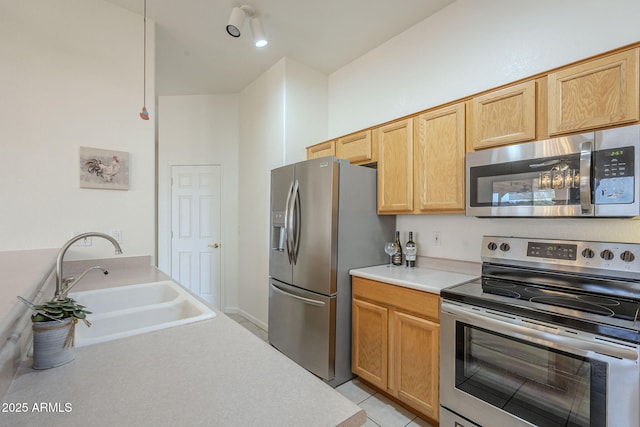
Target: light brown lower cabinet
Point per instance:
(395, 342)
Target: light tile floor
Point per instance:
(381, 412)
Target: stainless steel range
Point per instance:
(549, 336)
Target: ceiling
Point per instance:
(195, 55)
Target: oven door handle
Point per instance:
(509, 328)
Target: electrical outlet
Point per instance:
(117, 234)
(436, 238)
(82, 242)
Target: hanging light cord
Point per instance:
(144, 115)
(144, 56)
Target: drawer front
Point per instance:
(423, 304)
(302, 326)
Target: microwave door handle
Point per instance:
(288, 219)
(295, 214)
(586, 207)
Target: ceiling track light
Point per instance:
(236, 20)
(258, 33)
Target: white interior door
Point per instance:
(195, 230)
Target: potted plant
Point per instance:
(54, 331)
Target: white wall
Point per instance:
(262, 148)
(201, 130)
(305, 109)
(280, 113)
(469, 47)
(72, 76)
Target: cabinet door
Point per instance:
(323, 149)
(415, 364)
(395, 167)
(594, 94)
(356, 148)
(369, 349)
(504, 116)
(439, 150)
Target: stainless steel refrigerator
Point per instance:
(323, 223)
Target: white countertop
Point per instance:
(208, 373)
(422, 279)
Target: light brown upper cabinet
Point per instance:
(503, 116)
(439, 153)
(322, 149)
(593, 94)
(357, 148)
(395, 166)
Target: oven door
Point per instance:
(499, 370)
(542, 178)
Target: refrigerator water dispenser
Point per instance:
(278, 233)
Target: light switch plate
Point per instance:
(117, 234)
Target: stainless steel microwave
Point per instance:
(593, 174)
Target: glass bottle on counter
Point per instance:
(396, 258)
(411, 250)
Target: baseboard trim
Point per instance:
(253, 319)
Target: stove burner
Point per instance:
(599, 300)
(574, 303)
(501, 285)
(496, 290)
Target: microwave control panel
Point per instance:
(613, 176)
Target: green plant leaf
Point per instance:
(53, 304)
(60, 309)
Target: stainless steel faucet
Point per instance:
(64, 284)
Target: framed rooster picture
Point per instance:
(104, 169)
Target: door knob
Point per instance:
(215, 246)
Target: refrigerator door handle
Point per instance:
(303, 299)
(295, 210)
(288, 224)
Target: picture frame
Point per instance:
(103, 169)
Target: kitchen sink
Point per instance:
(136, 309)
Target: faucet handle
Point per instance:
(69, 282)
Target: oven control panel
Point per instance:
(552, 250)
(571, 255)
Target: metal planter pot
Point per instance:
(53, 343)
